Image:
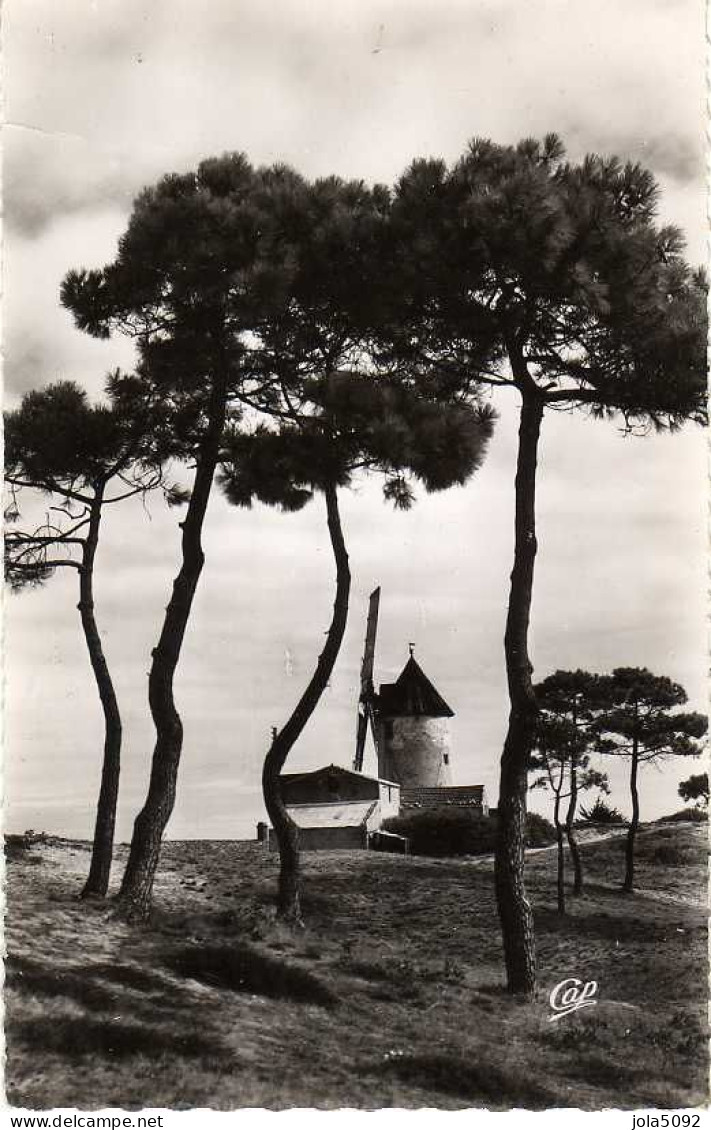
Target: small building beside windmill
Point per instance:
(335, 807)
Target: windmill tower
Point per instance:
(409, 720)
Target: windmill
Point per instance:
(366, 702)
(409, 720)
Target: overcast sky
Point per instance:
(104, 96)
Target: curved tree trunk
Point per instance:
(634, 822)
(288, 903)
(137, 885)
(570, 830)
(514, 909)
(97, 882)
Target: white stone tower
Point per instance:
(413, 731)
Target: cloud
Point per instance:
(679, 158)
(41, 343)
(124, 92)
(50, 175)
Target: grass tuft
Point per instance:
(468, 1079)
(31, 977)
(74, 1037)
(243, 969)
(670, 856)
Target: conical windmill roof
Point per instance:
(412, 694)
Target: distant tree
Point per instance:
(565, 738)
(641, 721)
(695, 787)
(560, 752)
(518, 270)
(83, 458)
(344, 424)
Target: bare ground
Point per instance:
(391, 996)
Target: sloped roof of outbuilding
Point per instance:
(346, 814)
(326, 769)
(329, 770)
(412, 694)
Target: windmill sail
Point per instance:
(360, 737)
(366, 704)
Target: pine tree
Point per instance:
(517, 270)
(695, 787)
(641, 721)
(561, 752)
(82, 458)
(569, 702)
(333, 429)
(339, 414)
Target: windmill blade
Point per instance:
(360, 741)
(372, 716)
(366, 671)
(365, 705)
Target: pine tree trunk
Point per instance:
(561, 857)
(570, 830)
(97, 882)
(286, 832)
(634, 822)
(137, 885)
(514, 909)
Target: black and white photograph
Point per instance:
(355, 521)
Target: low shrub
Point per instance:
(600, 813)
(539, 831)
(445, 831)
(17, 846)
(460, 831)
